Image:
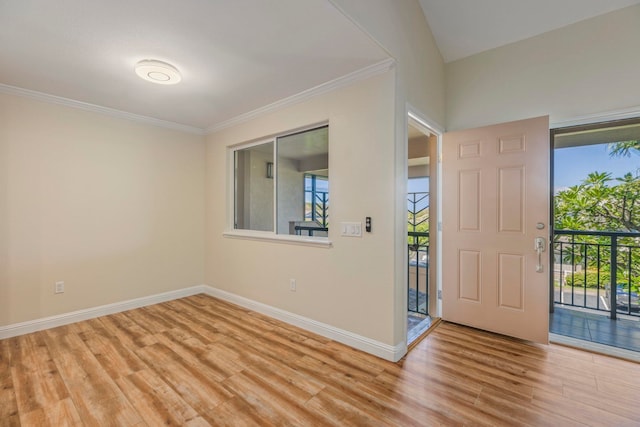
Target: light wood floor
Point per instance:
(200, 361)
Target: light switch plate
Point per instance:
(351, 229)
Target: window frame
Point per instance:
(245, 234)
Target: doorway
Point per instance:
(595, 280)
(492, 188)
(422, 146)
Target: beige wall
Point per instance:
(400, 27)
(590, 67)
(351, 284)
(113, 208)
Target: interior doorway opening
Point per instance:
(421, 225)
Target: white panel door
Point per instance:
(495, 205)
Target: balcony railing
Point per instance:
(418, 281)
(591, 266)
(317, 208)
(418, 247)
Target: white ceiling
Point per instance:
(235, 56)
(466, 27)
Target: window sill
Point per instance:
(265, 236)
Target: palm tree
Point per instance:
(624, 148)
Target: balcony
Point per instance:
(596, 277)
(418, 319)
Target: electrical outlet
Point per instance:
(59, 288)
(292, 285)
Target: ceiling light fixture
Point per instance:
(158, 72)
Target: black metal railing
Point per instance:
(319, 208)
(418, 272)
(418, 211)
(309, 229)
(418, 249)
(597, 270)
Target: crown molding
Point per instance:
(58, 100)
(346, 80)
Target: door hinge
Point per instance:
(439, 293)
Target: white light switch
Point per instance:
(351, 229)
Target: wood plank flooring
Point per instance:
(200, 361)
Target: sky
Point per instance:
(573, 164)
(416, 185)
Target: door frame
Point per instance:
(417, 119)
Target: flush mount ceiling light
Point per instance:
(158, 72)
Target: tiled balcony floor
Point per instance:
(597, 328)
(417, 324)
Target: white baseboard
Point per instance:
(382, 350)
(91, 313)
(385, 351)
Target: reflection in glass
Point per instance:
(253, 188)
(302, 162)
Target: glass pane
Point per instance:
(316, 199)
(303, 161)
(254, 187)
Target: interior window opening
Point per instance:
(282, 185)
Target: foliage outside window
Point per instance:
(270, 183)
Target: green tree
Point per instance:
(602, 203)
(625, 148)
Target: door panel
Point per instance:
(495, 192)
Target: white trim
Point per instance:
(594, 347)
(58, 100)
(424, 121)
(268, 236)
(418, 118)
(362, 74)
(385, 351)
(626, 113)
(377, 348)
(91, 313)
